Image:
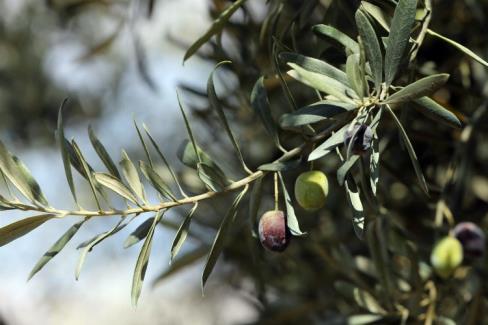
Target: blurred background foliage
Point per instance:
(328, 275)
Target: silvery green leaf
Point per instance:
(132, 176)
(374, 167)
(315, 112)
(460, 47)
(56, 247)
(87, 172)
(102, 153)
(216, 27)
(34, 187)
(142, 261)
(144, 145)
(182, 233)
(291, 217)
(331, 32)
(22, 227)
(400, 29)
(344, 169)
(260, 104)
(354, 200)
(315, 65)
(219, 241)
(187, 156)
(377, 13)
(418, 89)
(356, 77)
(323, 83)
(281, 166)
(214, 180)
(64, 153)
(156, 180)
(114, 184)
(364, 319)
(411, 152)
(432, 109)
(371, 47)
(328, 145)
(139, 233)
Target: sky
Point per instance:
(102, 294)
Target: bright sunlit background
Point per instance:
(113, 83)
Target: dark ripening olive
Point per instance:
(363, 135)
(273, 232)
(472, 238)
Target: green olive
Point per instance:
(311, 190)
(446, 256)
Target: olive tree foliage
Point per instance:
(309, 74)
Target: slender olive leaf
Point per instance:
(374, 167)
(112, 183)
(363, 298)
(432, 109)
(87, 172)
(22, 227)
(88, 245)
(132, 176)
(214, 180)
(165, 161)
(142, 261)
(315, 65)
(260, 104)
(328, 145)
(214, 102)
(34, 187)
(187, 156)
(371, 47)
(64, 153)
(364, 69)
(291, 218)
(364, 319)
(254, 204)
(315, 112)
(182, 233)
(144, 146)
(182, 262)
(156, 180)
(11, 169)
(281, 166)
(73, 159)
(219, 241)
(331, 32)
(417, 89)
(216, 27)
(442, 320)
(344, 169)
(139, 233)
(460, 47)
(56, 247)
(377, 13)
(354, 75)
(354, 199)
(400, 29)
(188, 128)
(411, 152)
(102, 153)
(323, 83)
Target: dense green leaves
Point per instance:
(219, 240)
(19, 228)
(419, 88)
(323, 83)
(371, 47)
(400, 30)
(215, 28)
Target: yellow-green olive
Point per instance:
(446, 256)
(311, 189)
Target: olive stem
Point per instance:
(276, 192)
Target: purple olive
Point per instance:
(273, 231)
(363, 135)
(472, 238)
